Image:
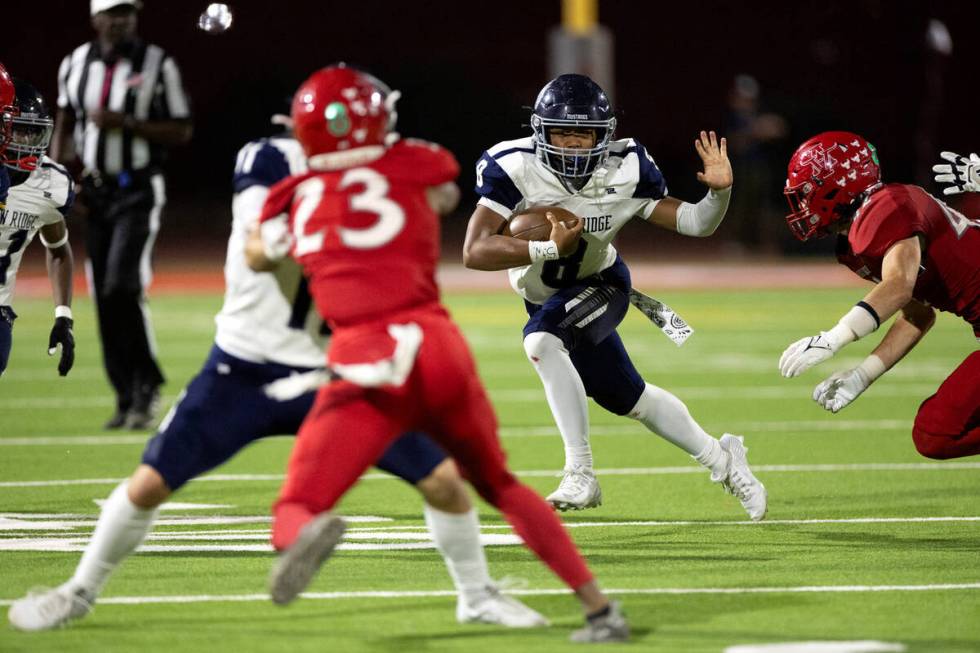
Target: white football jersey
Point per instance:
(43, 198)
(510, 178)
(266, 317)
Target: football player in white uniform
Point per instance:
(41, 193)
(576, 287)
(262, 336)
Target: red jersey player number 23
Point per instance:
(360, 224)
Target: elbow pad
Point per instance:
(703, 218)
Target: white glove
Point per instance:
(962, 174)
(840, 389)
(807, 352)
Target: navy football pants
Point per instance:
(224, 409)
(585, 316)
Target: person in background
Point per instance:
(120, 104)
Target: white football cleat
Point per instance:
(579, 489)
(739, 479)
(44, 609)
(610, 627)
(298, 564)
(498, 609)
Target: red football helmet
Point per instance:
(826, 175)
(7, 109)
(340, 108)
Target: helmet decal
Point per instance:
(338, 123)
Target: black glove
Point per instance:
(61, 335)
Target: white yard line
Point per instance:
(548, 473)
(392, 594)
(550, 431)
(536, 394)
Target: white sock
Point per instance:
(566, 395)
(121, 528)
(668, 417)
(457, 536)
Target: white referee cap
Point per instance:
(105, 5)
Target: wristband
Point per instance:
(703, 218)
(62, 241)
(856, 323)
(542, 250)
(62, 311)
(872, 367)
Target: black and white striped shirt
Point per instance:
(143, 83)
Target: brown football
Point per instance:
(533, 225)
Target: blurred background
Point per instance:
(766, 74)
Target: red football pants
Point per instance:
(350, 427)
(948, 422)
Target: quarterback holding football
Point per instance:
(575, 286)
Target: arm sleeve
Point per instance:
(495, 187)
(259, 164)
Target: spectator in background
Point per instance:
(121, 102)
(751, 133)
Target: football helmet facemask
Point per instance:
(31, 127)
(340, 108)
(572, 102)
(827, 179)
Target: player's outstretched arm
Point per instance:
(60, 264)
(842, 388)
(703, 218)
(899, 271)
(961, 174)
(486, 248)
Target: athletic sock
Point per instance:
(121, 528)
(566, 395)
(457, 536)
(668, 417)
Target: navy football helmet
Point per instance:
(31, 127)
(572, 102)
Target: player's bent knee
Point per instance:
(539, 344)
(444, 490)
(146, 488)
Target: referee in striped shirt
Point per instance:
(120, 104)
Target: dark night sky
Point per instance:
(466, 68)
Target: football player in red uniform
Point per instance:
(362, 225)
(922, 256)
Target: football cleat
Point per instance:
(739, 480)
(609, 627)
(298, 564)
(44, 609)
(579, 489)
(498, 609)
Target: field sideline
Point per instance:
(866, 540)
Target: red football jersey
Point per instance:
(949, 277)
(365, 235)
